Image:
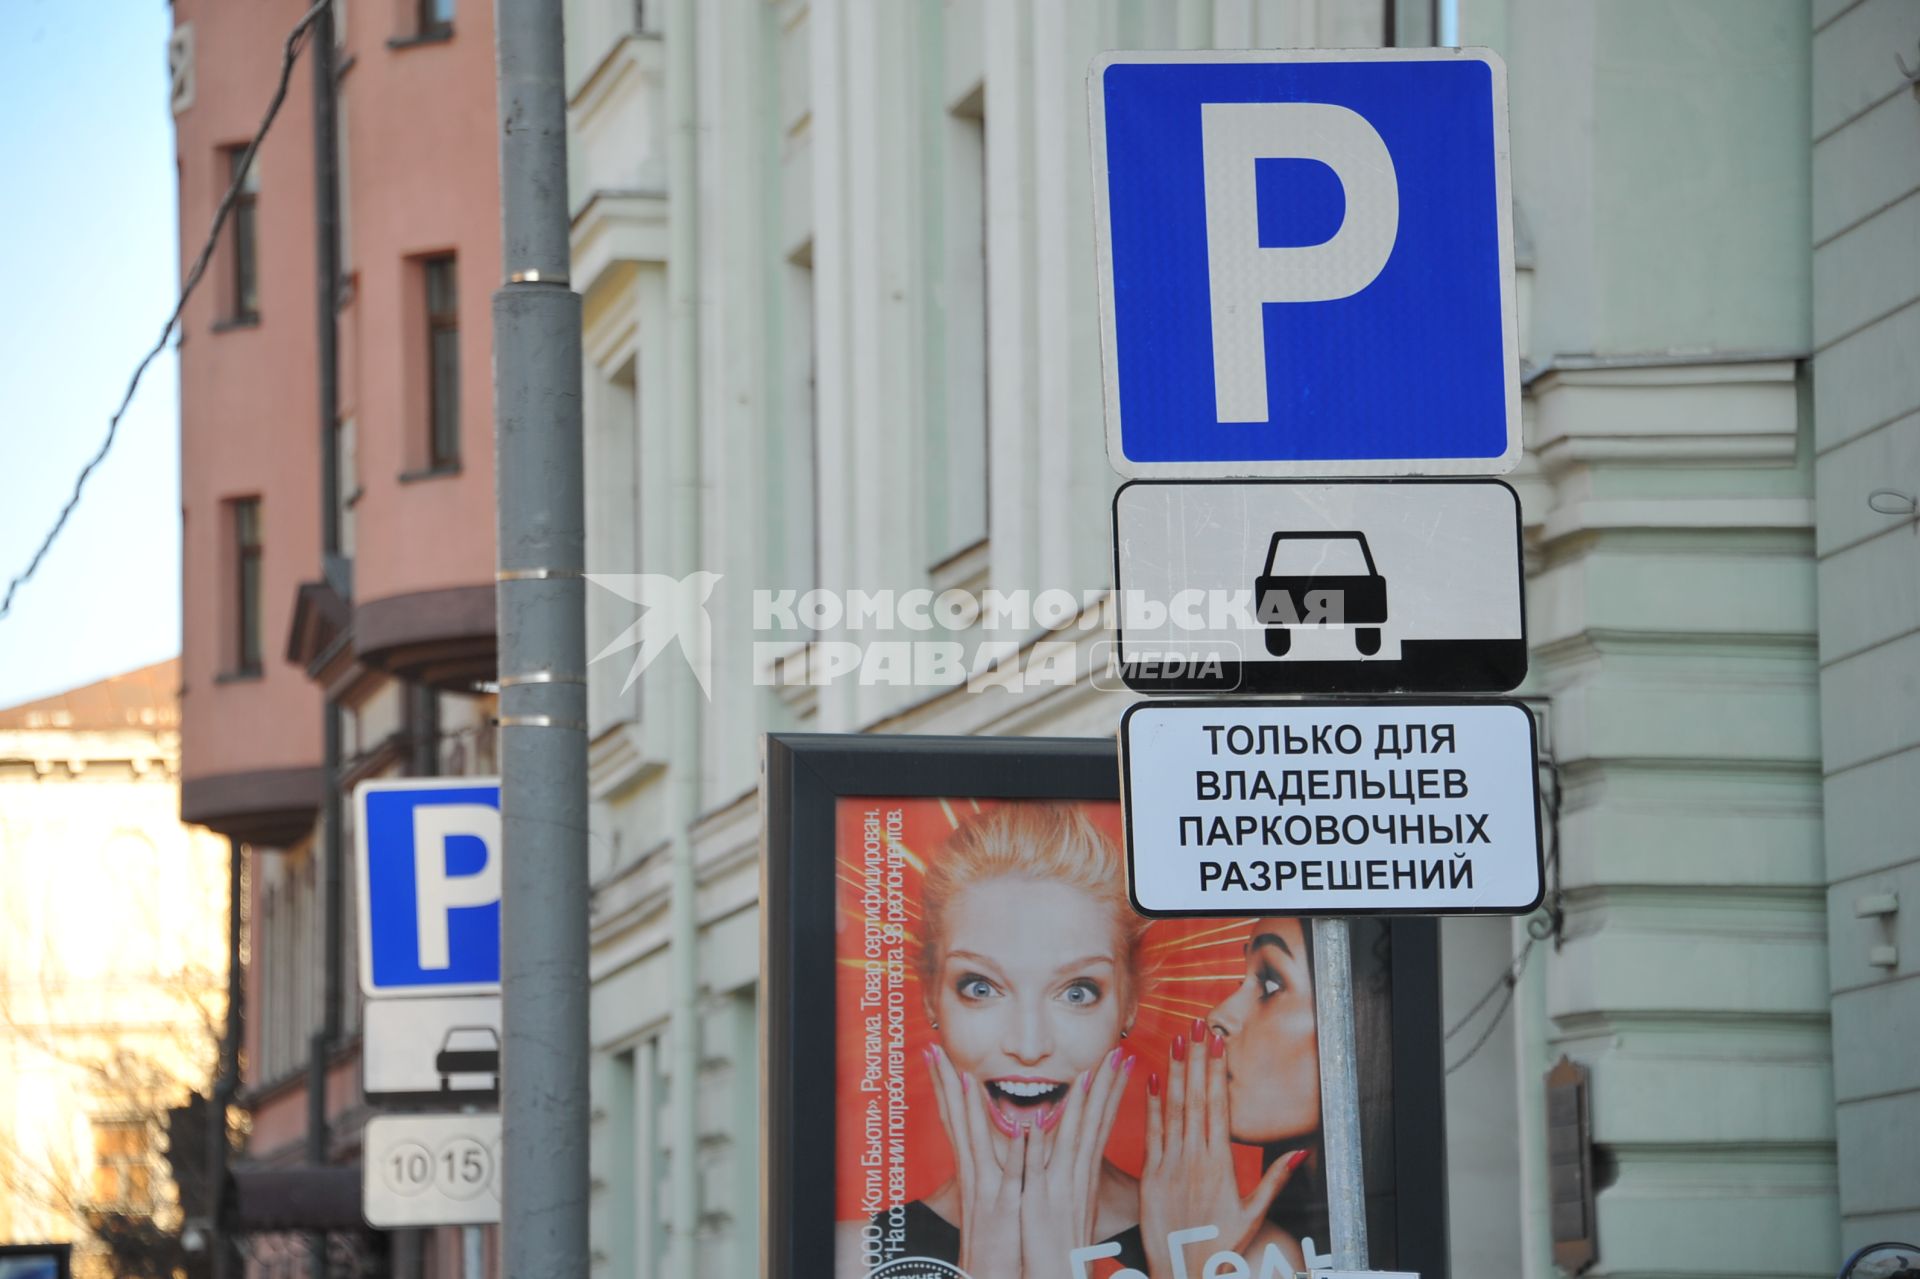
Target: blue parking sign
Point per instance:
(1305, 262)
(428, 858)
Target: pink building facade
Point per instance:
(337, 497)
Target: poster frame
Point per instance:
(803, 777)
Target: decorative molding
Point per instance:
(615, 228)
(786, 673)
(632, 55)
(1661, 410)
(617, 761)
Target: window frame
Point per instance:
(247, 546)
(429, 22)
(243, 238)
(442, 438)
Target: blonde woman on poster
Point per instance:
(1029, 978)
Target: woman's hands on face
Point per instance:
(1061, 1183)
(988, 1168)
(1188, 1179)
(1026, 1203)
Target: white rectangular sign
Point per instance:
(1331, 808)
(431, 1170)
(1320, 586)
(431, 1050)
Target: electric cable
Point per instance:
(290, 53)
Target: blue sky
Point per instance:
(88, 216)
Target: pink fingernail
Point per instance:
(966, 1083)
(1081, 1083)
(1048, 1118)
(1113, 1058)
(1126, 1067)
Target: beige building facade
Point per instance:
(112, 956)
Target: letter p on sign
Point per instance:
(436, 891)
(1242, 275)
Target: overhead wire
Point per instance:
(289, 54)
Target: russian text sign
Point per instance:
(431, 1170)
(1319, 586)
(1305, 262)
(1331, 808)
(428, 856)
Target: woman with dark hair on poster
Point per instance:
(1250, 1075)
(1029, 972)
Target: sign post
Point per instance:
(1305, 262)
(1340, 1091)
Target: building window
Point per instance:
(243, 297)
(122, 1165)
(436, 18)
(246, 586)
(443, 362)
(957, 502)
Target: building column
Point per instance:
(1673, 625)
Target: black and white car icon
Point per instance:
(468, 1050)
(1314, 575)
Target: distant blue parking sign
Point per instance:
(1305, 262)
(428, 854)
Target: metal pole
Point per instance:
(326, 278)
(542, 629)
(225, 1261)
(1339, 1092)
(470, 1259)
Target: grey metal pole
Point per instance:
(471, 1265)
(1339, 1092)
(542, 630)
(220, 1246)
(326, 351)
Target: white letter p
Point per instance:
(1240, 273)
(435, 891)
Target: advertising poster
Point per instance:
(1030, 1080)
